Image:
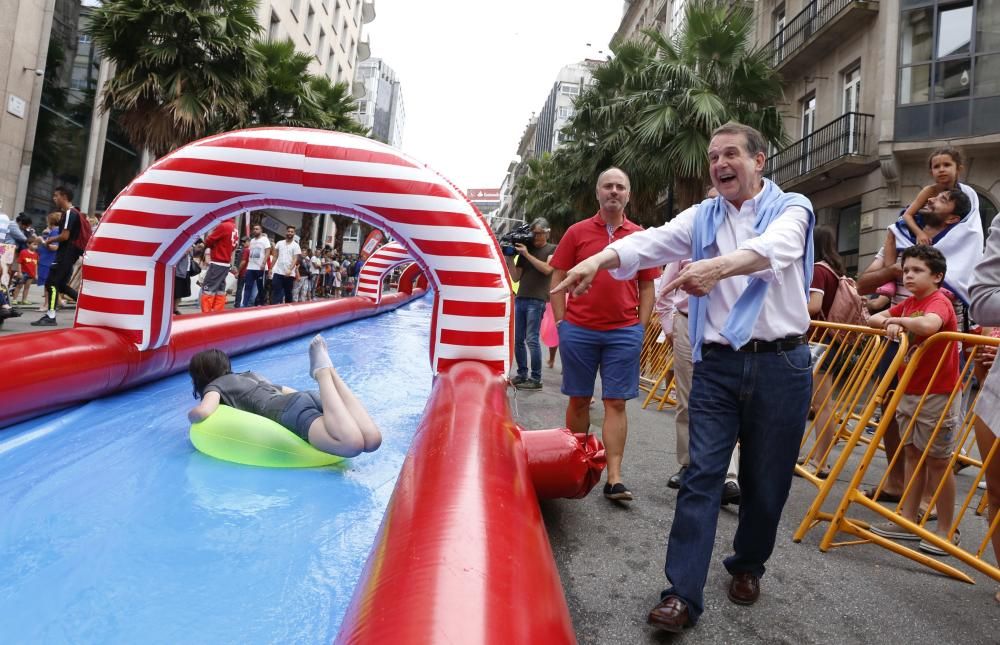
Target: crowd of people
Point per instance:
(259, 271)
(745, 273)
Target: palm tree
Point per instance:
(181, 64)
(337, 106)
(545, 190)
(285, 98)
(653, 108)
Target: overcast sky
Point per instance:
(473, 71)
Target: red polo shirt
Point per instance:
(610, 303)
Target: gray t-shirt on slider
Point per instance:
(533, 283)
(250, 392)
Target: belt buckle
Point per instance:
(754, 346)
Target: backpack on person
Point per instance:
(86, 232)
(848, 306)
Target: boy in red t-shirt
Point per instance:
(923, 314)
(27, 260)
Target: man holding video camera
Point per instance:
(528, 253)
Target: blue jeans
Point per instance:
(527, 321)
(253, 283)
(761, 400)
(281, 288)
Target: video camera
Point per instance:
(520, 235)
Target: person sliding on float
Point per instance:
(332, 420)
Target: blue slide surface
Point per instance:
(114, 529)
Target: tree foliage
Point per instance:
(652, 108)
(189, 68)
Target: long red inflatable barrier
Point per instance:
(71, 366)
(462, 555)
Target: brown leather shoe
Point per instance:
(670, 615)
(744, 589)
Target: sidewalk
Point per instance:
(610, 558)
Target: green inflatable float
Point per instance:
(245, 438)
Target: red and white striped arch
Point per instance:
(377, 266)
(128, 266)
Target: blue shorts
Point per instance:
(300, 410)
(614, 351)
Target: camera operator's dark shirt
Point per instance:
(534, 284)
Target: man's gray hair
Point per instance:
(755, 140)
(542, 223)
(609, 169)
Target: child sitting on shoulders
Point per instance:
(927, 312)
(945, 165)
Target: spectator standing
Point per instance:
(985, 306)
(603, 329)
(926, 312)
(253, 281)
(27, 261)
(47, 252)
(286, 258)
(531, 268)
(672, 307)
(752, 261)
(303, 279)
(66, 256)
(240, 269)
(219, 245)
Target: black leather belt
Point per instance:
(755, 346)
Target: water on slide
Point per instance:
(114, 529)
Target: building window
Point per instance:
(340, 73)
(677, 15)
(569, 89)
(310, 21)
(353, 232)
(84, 39)
(273, 29)
(949, 70)
(565, 111)
(808, 125)
(336, 13)
(362, 107)
(329, 63)
(343, 36)
(848, 236)
(852, 105)
(296, 8)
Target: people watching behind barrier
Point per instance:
(985, 308)
(924, 313)
(286, 254)
(752, 262)
(951, 220)
(256, 264)
(530, 267)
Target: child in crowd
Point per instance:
(47, 252)
(927, 312)
(27, 261)
(331, 420)
(945, 166)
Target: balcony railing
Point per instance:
(844, 137)
(802, 27)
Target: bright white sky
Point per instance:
(473, 71)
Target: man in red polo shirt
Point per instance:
(604, 327)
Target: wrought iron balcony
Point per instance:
(838, 150)
(814, 30)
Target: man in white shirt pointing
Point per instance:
(752, 258)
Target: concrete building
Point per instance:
(865, 116)
(381, 110)
(510, 215)
(330, 30)
(558, 108)
(644, 14)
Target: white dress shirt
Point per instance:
(668, 302)
(785, 311)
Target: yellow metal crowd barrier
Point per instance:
(656, 364)
(972, 549)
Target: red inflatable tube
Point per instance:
(563, 464)
(462, 555)
(55, 369)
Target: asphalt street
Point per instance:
(610, 558)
